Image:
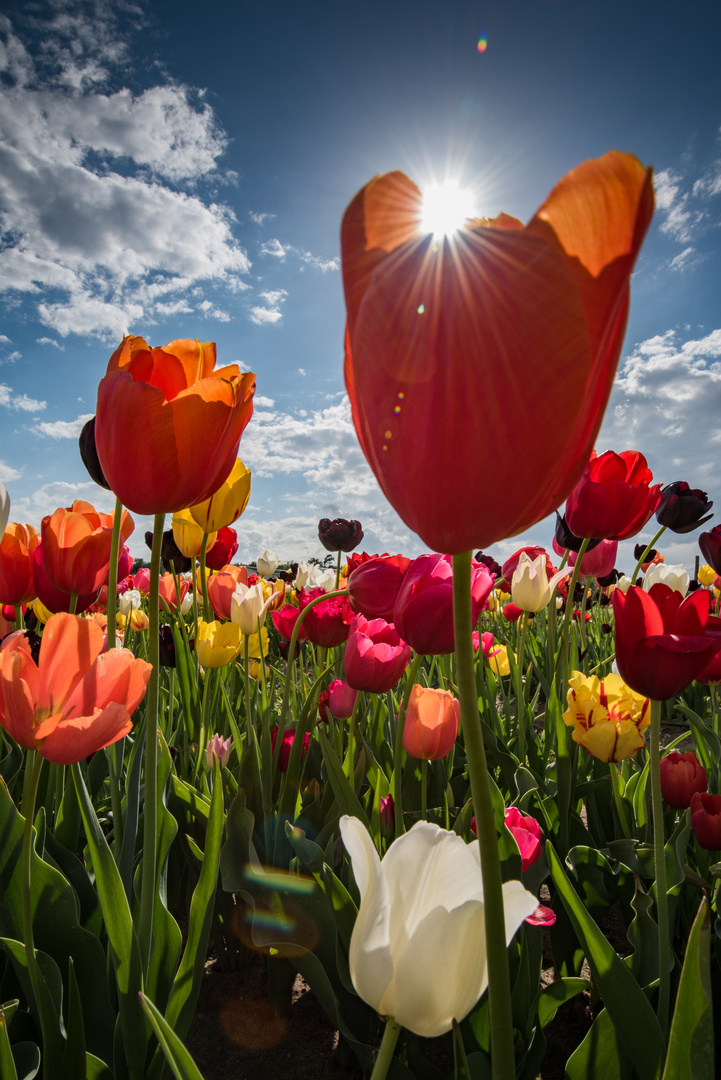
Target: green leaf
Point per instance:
(7, 1062)
(347, 800)
(27, 1060)
(632, 1017)
(600, 1057)
(167, 938)
(180, 1061)
(74, 1051)
(691, 1042)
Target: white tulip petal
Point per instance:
(370, 960)
(443, 971)
(518, 904)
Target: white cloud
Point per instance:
(321, 264)
(273, 247)
(261, 315)
(14, 357)
(4, 340)
(46, 499)
(260, 219)
(63, 429)
(19, 401)
(85, 181)
(275, 296)
(301, 371)
(7, 473)
(263, 402)
(50, 341)
(684, 260)
(210, 311)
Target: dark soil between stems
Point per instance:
(238, 1034)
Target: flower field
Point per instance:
(404, 780)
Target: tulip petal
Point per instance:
(518, 904)
(115, 676)
(77, 738)
(371, 964)
(17, 709)
(69, 646)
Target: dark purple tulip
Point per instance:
(170, 554)
(339, 534)
(609, 579)
(710, 544)
(682, 508)
(639, 550)
(89, 454)
(490, 564)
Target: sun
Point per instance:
(445, 208)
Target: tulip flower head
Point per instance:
(226, 504)
(328, 623)
(706, 575)
(375, 657)
(217, 644)
(682, 775)
(437, 327)
(608, 718)
(341, 534)
(423, 611)
(431, 726)
(218, 748)
(168, 423)
(527, 833)
(248, 607)
(710, 544)
(76, 699)
(682, 509)
(287, 745)
(223, 550)
(498, 660)
(17, 547)
(75, 547)
(675, 577)
(168, 593)
(422, 913)
(339, 701)
(706, 820)
(266, 563)
(129, 600)
(373, 585)
(530, 588)
(614, 498)
(188, 535)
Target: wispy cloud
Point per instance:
(63, 429)
(260, 219)
(273, 247)
(261, 315)
(19, 401)
(7, 474)
(50, 341)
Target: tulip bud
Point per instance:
(218, 748)
(89, 454)
(431, 725)
(341, 534)
(266, 563)
(676, 577)
(387, 811)
(706, 820)
(682, 508)
(527, 833)
(682, 775)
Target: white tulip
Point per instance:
(530, 586)
(676, 577)
(128, 600)
(266, 563)
(418, 948)
(4, 509)
(186, 603)
(623, 584)
(248, 606)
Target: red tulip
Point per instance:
(284, 620)
(76, 699)
(56, 600)
(168, 593)
(223, 550)
(527, 833)
(706, 820)
(338, 700)
(598, 562)
(75, 547)
(373, 585)
(221, 587)
(328, 623)
(613, 499)
(16, 564)
(662, 640)
(682, 775)
(287, 745)
(431, 726)
(710, 544)
(168, 423)
(512, 612)
(423, 611)
(375, 657)
(439, 338)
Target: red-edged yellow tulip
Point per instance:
(76, 699)
(75, 547)
(168, 424)
(188, 535)
(456, 347)
(227, 504)
(16, 564)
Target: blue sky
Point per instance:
(176, 170)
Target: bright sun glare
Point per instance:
(445, 207)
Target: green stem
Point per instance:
(385, 1051)
(19, 621)
(568, 618)
(644, 556)
(398, 750)
(73, 603)
(207, 615)
(111, 605)
(520, 705)
(337, 570)
(618, 801)
(424, 791)
(150, 809)
(246, 670)
(503, 1062)
(659, 853)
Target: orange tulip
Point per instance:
(431, 726)
(168, 593)
(168, 425)
(16, 564)
(457, 348)
(76, 699)
(75, 547)
(222, 586)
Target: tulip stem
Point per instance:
(503, 1062)
(204, 580)
(385, 1051)
(424, 789)
(568, 617)
(620, 810)
(150, 809)
(19, 621)
(111, 605)
(520, 704)
(337, 570)
(398, 750)
(644, 555)
(664, 944)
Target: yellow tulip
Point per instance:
(217, 644)
(608, 718)
(706, 575)
(498, 660)
(228, 502)
(188, 535)
(40, 611)
(254, 645)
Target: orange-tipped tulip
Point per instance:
(221, 587)
(168, 423)
(75, 547)
(459, 349)
(16, 564)
(76, 699)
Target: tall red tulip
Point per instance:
(168, 423)
(373, 585)
(423, 611)
(614, 498)
(663, 641)
(76, 699)
(443, 333)
(375, 657)
(16, 564)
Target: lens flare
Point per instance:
(482, 44)
(445, 208)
